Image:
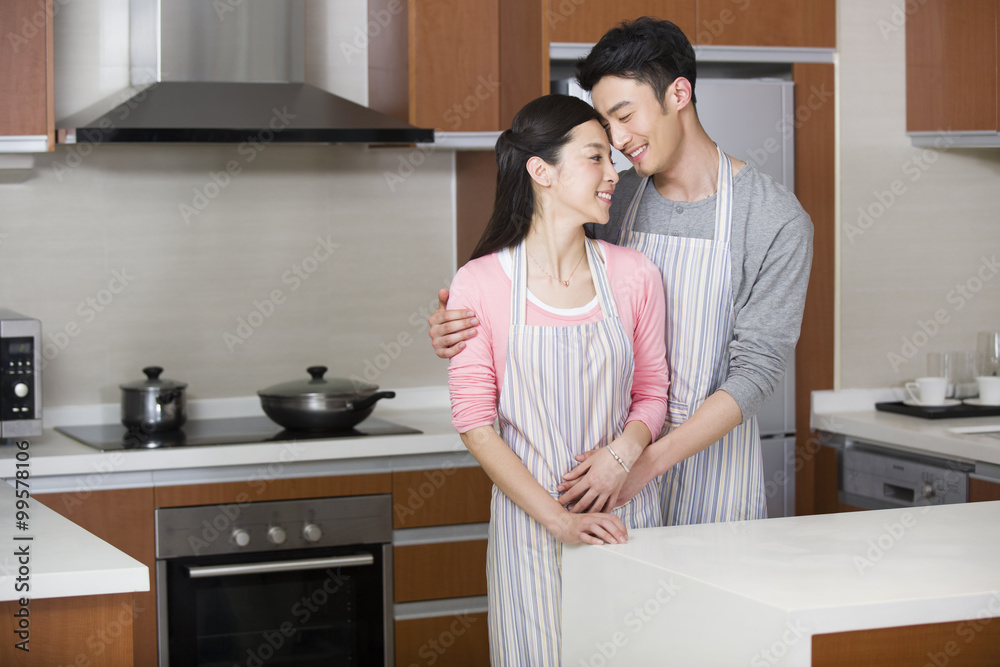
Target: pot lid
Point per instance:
(318, 385)
(153, 381)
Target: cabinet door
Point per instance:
(981, 490)
(445, 641)
(124, 519)
(440, 497)
(26, 106)
(585, 21)
(951, 66)
(767, 23)
(455, 65)
(438, 571)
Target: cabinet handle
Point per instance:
(280, 566)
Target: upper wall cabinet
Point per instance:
(586, 21)
(769, 23)
(27, 112)
(951, 72)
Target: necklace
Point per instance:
(565, 283)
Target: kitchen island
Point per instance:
(811, 590)
(48, 558)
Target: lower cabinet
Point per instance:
(983, 490)
(439, 566)
(124, 519)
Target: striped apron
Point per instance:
(724, 482)
(565, 390)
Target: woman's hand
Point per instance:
(448, 328)
(590, 529)
(594, 485)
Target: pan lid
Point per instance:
(153, 382)
(317, 385)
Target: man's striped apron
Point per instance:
(724, 482)
(566, 390)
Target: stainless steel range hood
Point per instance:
(226, 72)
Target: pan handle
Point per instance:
(366, 403)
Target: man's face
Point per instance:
(636, 123)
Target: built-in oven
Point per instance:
(878, 477)
(298, 582)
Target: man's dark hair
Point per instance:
(652, 51)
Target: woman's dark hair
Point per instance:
(648, 50)
(541, 128)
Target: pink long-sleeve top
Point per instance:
(475, 375)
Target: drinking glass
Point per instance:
(988, 353)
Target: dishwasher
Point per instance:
(877, 477)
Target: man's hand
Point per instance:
(450, 327)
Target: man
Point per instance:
(734, 248)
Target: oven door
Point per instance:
(308, 607)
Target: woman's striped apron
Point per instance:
(724, 482)
(566, 390)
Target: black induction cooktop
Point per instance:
(229, 431)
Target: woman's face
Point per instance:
(585, 177)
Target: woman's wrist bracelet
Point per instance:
(619, 459)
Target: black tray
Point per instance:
(941, 411)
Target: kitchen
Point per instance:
(107, 259)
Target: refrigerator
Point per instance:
(752, 119)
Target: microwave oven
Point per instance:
(20, 375)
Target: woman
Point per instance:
(569, 355)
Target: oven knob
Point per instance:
(276, 535)
(20, 390)
(241, 537)
(312, 533)
(928, 490)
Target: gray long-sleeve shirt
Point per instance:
(771, 258)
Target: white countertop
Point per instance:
(852, 413)
(754, 592)
(60, 463)
(63, 560)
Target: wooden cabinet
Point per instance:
(772, 23)
(124, 519)
(438, 568)
(26, 80)
(951, 66)
(584, 21)
(982, 490)
(438, 64)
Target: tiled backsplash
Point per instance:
(920, 229)
(153, 255)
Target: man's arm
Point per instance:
(450, 327)
(713, 419)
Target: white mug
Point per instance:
(989, 389)
(929, 390)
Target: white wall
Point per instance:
(98, 245)
(904, 257)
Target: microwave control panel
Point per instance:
(17, 397)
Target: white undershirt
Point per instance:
(507, 263)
